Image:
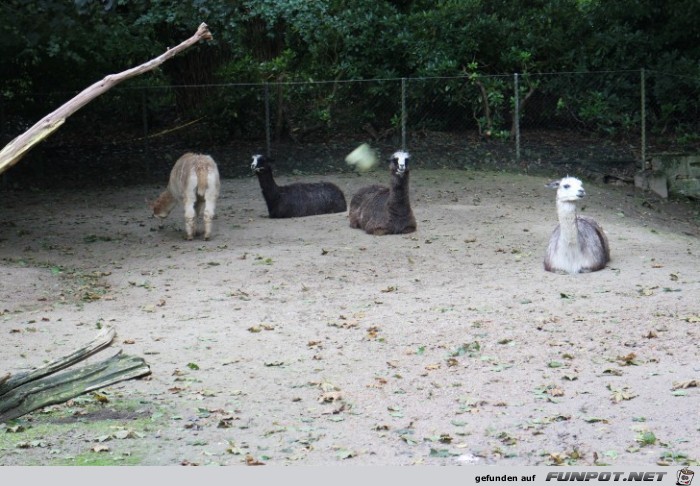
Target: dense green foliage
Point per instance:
(54, 46)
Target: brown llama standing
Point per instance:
(194, 180)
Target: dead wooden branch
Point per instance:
(17, 148)
(102, 340)
(32, 390)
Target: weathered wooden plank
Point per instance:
(51, 390)
(102, 340)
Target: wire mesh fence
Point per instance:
(556, 121)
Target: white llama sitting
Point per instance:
(578, 244)
(194, 180)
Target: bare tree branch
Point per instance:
(18, 147)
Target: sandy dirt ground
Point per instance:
(306, 342)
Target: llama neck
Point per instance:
(567, 223)
(164, 203)
(267, 183)
(399, 188)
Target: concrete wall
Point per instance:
(675, 174)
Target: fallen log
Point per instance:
(102, 340)
(17, 148)
(29, 391)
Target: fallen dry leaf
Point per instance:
(330, 397)
(678, 385)
(378, 383)
(556, 392)
(372, 332)
(621, 394)
(627, 360)
(126, 434)
(226, 422)
(340, 407)
(647, 291)
(251, 461)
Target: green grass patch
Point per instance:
(83, 432)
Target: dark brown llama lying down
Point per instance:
(578, 244)
(382, 210)
(299, 198)
(194, 180)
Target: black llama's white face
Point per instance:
(258, 163)
(400, 158)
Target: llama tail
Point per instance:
(202, 172)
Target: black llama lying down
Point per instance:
(297, 199)
(381, 210)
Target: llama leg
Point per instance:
(209, 208)
(189, 219)
(198, 210)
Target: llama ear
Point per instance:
(553, 184)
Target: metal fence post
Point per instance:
(643, 119)
(267, 119)
(404, 115)
(516, 116)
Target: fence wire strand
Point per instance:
(526, 120)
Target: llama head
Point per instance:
(163, 205)
(569, 189)
(260, 162)
(399, 162)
